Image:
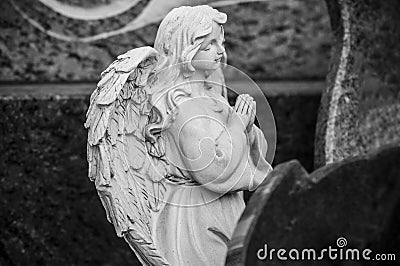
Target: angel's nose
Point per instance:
(221, 49)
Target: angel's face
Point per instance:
(209, 55)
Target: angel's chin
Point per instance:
(210, 71)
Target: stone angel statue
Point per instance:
(169, 156)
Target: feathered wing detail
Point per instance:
(128, 169)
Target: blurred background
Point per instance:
(269, 40)
(51, 55)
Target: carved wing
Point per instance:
(127, 169)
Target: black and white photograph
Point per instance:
(199, 132)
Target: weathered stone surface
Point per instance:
(357, 199)
(50, 213)
(359, 109)
(289, 40)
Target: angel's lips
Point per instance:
(218, 59)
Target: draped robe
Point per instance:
(201, 212)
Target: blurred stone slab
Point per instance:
(359, 108)
(358, 199)
(49, 211)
